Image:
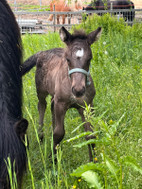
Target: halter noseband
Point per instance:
(81, 71)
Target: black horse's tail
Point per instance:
(132, 5)
(28, 64)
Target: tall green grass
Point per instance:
(116, 69)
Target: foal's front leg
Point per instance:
(87, 127)
(59, 132)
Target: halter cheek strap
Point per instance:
(81, 71)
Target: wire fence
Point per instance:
(38, 22)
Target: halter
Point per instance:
(81, 71)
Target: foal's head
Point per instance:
(78, 55)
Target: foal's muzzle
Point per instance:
(80, 91)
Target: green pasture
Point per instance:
(116, 69)
(31, 8)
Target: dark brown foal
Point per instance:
(64, 74)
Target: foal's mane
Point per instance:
(79, 34)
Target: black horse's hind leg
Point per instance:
(125, 16)
(87, 127)
(131, 16)
(41, 108)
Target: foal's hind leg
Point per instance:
(53, 114)
(87, 127)
(41, 108)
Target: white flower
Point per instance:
(106, 53)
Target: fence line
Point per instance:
(77, 12)
(37, 22)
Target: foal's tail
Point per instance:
(28, 64)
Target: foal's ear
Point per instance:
(94, 36)
(64, 35)
(21, 127)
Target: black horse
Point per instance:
(12, 126)
(106, 5)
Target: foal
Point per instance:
(64, 74)
(12, 125)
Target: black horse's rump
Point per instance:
(119, 4)
(12, 126)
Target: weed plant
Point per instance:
(116, 69)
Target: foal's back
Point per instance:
(50, 66)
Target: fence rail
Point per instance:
(37, 22)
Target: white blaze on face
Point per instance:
(80, 53)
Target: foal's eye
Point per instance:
(68, 60)
(89, 60)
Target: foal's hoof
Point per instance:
(40, 135)
(53, 158)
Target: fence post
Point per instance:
(15, 6)
(118, 16)
(69, 19)
(40, 2)
(54, 18)
(111, 7)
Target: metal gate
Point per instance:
(37, 22)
